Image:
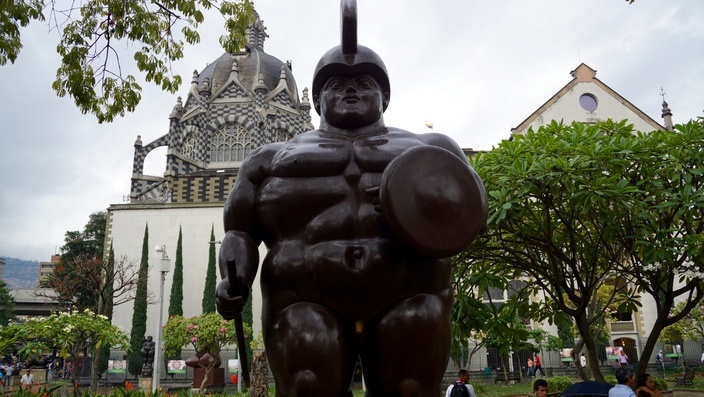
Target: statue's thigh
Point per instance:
(409, 348)
(309, 351)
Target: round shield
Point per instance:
(433, 200)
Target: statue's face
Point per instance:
(351, 101)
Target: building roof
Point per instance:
(586, 76)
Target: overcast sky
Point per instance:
(473, 68)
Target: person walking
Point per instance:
(530, 369)
(538, 366)
(461, 387)
(27, 380)
(658, 360)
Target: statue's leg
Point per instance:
(407, 351)
(310, 352)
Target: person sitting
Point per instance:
(624, 388)
(645, 386)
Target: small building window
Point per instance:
(588, 102)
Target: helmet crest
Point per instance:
(349, 58)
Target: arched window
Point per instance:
(281, 135)
(231, 142)
(188, 147)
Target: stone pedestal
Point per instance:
(216, 377)
(39, 375)
(146, 384)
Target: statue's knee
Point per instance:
(409, 388)
(306, 383)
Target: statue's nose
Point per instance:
(351, 88)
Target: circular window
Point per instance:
(588, 102)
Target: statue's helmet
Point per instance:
(350, 58)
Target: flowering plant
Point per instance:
(71, 332)
(207, 334)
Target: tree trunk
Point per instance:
(592, 360)
(260, 376)
(575, 359)
(650, 346)
(95, 362)
(206, 377)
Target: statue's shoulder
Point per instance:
(430, 138)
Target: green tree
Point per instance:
(553, 196)
(72, 333)
(663, 231)
(7, 305)
(139, 313)
(475, 315)
(210, 277)
(95, 32)
(176, 298)
(67, 279)
(690, 326)
(207, 334)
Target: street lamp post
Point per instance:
(164, 267)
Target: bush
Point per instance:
(660, 383)
(559, 383)
(611, 379)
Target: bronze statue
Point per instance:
(148, 350)
(359, 220)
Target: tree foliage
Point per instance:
(81, 250)
(94, 32)
(84, 278)
(7, 304)
(210, 277)
(139, 313)
(599, 216)
(663, 232)
(71, 333)
(207, 334)
(553, 196)
(108, 283)
(478, 318)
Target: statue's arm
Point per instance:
(239, 252)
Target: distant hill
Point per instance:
(20, 273)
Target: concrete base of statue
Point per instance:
(146, 384)
(215, 377)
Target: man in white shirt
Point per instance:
(624, 388)
(27, 379)
(462, 380)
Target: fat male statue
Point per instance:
(359, 220)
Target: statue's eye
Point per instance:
(366, 84)
(334, 85)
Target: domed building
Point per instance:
(235, 104)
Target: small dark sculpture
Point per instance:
(148, 348)
(359, 220)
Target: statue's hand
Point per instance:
(229, 301)
(374, 192)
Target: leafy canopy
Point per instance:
(94, 32)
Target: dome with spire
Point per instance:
(234, 105)
(252, 64)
